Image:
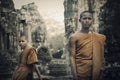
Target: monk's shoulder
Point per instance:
(75, 35)
(32, 50)
(101, 35)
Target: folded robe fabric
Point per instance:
(89, 54)
(27, 57)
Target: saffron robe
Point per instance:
(89, 53)
(27, 57)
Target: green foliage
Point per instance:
(44, 55)
(57, 41)
(7, 63)
(58, 69)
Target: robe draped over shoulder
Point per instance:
(89, 54)
(27, 57)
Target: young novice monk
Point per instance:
(27, 62)
(86, 50)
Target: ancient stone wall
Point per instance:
(8, 36)
(109, 25)
(32, 24)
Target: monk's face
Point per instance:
(86, 20)
(23, 42)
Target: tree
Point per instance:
(44, 55)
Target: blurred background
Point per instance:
(48, 25)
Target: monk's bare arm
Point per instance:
(37, 71)
(72, 51)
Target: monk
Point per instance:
(27, 64)
(86, 50)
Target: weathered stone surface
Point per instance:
(8, 38)
(32, 24)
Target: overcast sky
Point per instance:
(47, 8)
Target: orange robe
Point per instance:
(89, 54)
(27, 57)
